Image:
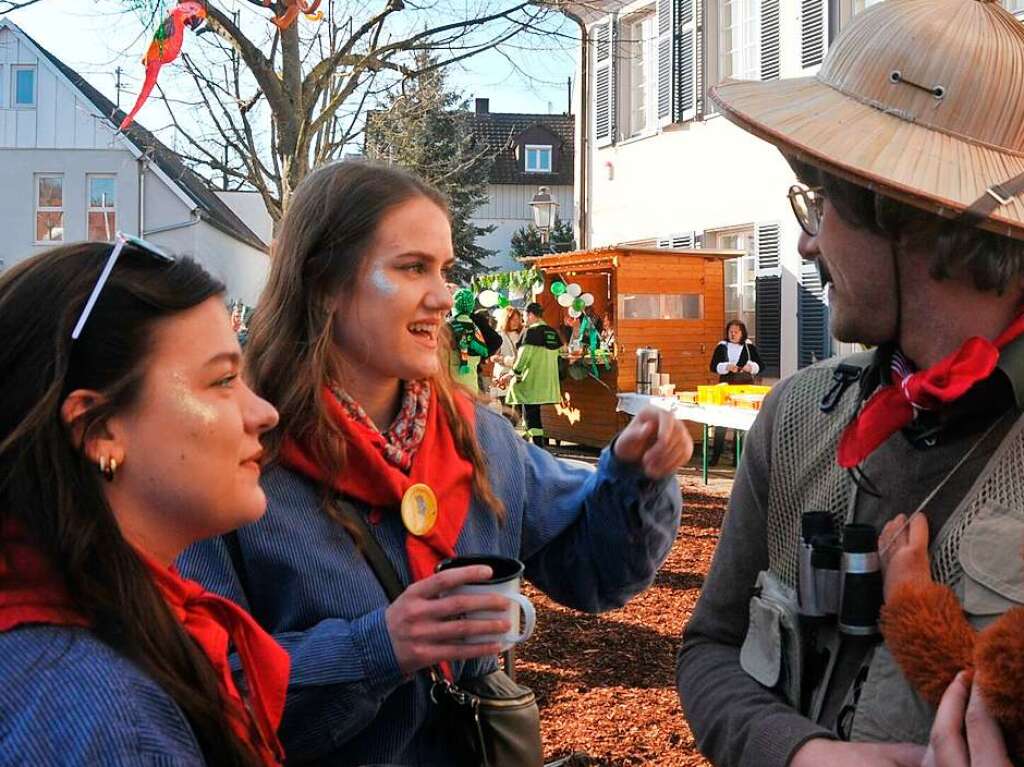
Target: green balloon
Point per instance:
(578, 305)
(502, 300)
(557, 288)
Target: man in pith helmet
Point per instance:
(909, 146)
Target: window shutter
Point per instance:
(604, 81)
(768, 299)
(814, 342)
(770, 40)
(664, 62)
(684, 59)
(812, 32)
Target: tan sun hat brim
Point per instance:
(924, 167)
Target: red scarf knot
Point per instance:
(895, 406)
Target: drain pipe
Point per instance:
(583, 123)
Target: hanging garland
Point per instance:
(513, 285)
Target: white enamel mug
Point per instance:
(506, 579)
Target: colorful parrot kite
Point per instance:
(294, 8)
(165, 47)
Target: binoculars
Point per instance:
(839, 576)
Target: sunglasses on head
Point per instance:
(121, 241)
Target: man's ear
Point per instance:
(101, 441)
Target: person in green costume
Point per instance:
(535, 372)
(468, 346)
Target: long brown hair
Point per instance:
(318, 255)
(49, 485)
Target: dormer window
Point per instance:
(538, 158)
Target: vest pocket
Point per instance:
(771, 651)
(991, 557)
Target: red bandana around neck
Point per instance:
(370, 478)
(32, 593)
(894, 407)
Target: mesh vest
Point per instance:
(806, 477)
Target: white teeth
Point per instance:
(419, 327)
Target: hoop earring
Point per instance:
(108, 468)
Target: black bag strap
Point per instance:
(378, 562)
(372, 552)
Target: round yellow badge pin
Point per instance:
(419, 509)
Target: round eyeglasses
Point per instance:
(807, 203)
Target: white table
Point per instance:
(724, 416)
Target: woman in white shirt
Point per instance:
(511, 331)
(737, 362)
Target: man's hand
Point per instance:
(821, 752)
(733, 369)
(903, 550)
(962, 707)
(657, 441)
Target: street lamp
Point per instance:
(545, 211)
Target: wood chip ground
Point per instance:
(606, 683)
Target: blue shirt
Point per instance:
(590, 539)
(66, 698)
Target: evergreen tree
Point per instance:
(526, 240)
(427, 129)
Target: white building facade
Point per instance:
(657, 165)
(67, 175)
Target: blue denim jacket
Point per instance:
(590, 540)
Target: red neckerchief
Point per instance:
(214, 623)
(32, 593)
(370, 478)
(893, 407)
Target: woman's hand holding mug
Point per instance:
(429, 624)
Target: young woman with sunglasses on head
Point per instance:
(346, 339)
(125, 436)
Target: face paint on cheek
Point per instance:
(188, 403)
(380, 281)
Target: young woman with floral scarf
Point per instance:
(348, 341)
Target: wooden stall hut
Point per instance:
(666, 298)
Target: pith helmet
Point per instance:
(921, 100)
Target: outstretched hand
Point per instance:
(657, 441)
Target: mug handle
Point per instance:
(529, 615)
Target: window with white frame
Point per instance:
(49, 208)
(23, 84)
(638, 87)
(1013, 6)
(739, 39)
(740, 278)
(538, 158)
(101, 210)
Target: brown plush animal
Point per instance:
(929, 636)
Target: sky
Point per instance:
(91, 38)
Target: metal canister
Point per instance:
(647, 363)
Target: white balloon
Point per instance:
(573, 290)
(565, 300)
(574, 313)
(588, 300)
(487, 298)
(538, 287)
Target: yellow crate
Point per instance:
(712, 395)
